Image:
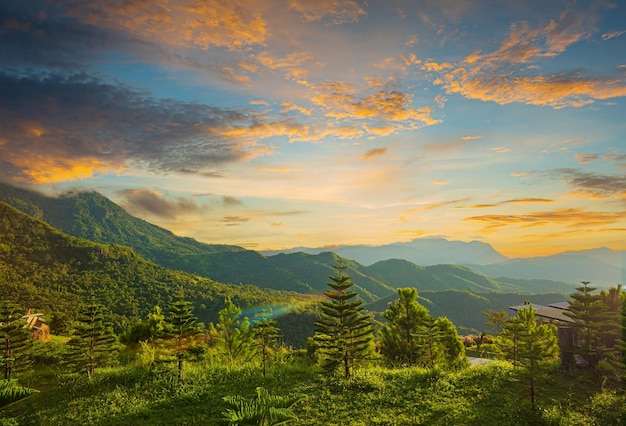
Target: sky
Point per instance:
(275, 124)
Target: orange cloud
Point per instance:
(502, 76)
(374, 152)
(188, 23)
(513, 201)
(586, 158)
(388, 105)
(571, 217)
(40, 169)
(289, 106)
(290, 65)
(338, 11)
(500, 149)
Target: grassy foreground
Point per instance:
(493, 394)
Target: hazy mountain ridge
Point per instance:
(94, 217)
(421, 251)
(109, 268)
(569, 266)
(601, 266)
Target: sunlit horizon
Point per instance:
(272, 125)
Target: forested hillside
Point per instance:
(96, 218)
(43, 268)
(91, 216)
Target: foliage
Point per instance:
(267, 337)
(149, 330)
(413, 337)
(530, 343)
(264, 410)
(232, 335)
(598, 326)
(184, 334)
(42, 267)
(344, 333)
(487, 395)
(495, 319)
(399, 342)
(15, 340)
(93, 344)
(11, 391)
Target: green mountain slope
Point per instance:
(297, 272)
(91, 216)
(50, 271)
(464, 308)
(403, 273)
(94, 217)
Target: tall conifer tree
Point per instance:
(185, 331)
(93, 343)
(15, 340)
(344, 333)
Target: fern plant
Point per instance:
(264, 410)
(10, 392)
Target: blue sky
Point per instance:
(274, 124)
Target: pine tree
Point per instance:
(537, 343)
(344, 333)
(267, 337)
(232, 334)
(495, 319)
(185, 331)
(399, 343)
(430, 336)
(15, 339)
(93, 343)
(451, 344)
(589, 314)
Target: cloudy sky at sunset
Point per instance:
(281, 123)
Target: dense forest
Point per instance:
(114, 338)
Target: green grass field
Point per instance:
(140, 394)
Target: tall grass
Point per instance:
(147, 393)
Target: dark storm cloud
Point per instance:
(74, 118)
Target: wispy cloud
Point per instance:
(593, 185)
(613, 34)
(336, 11)
(144, 201)
(500, 149)
(570, 217)
(586, 158)
(374, 152)
(512, 201)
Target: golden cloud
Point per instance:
(189, 23)
(571, 217)
(502, 76)
(40, 169)
(338, 11)
(289, 106)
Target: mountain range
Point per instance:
(459, 291)
(601, 266)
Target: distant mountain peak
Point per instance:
(421, 251)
